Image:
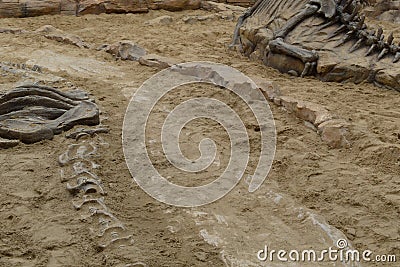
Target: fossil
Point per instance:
(79, 166)
(329, 39)
(32, 113)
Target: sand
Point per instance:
(313, 195)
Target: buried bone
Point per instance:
(117, 226)
(32, 113)
(115, 240)
(86, 185)
(77, 173)
(80, 132)
(87, 199)
(81, 152)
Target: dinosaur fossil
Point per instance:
(33, 113)
(326, 38)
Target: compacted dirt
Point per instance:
(313, 195)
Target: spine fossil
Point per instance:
(353, 26)
(111, 232)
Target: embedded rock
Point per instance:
(52, 33)
(157, 61)
(125, 50)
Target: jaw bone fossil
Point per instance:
(325, 38)
(32, 113)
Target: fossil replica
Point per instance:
(326, 38)
(32, 113)
(79, 168)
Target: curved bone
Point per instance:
(36, 91)
(347, 37)
(95, 211)
(110, 228)
(326, 7)
(86, 185)
(87, 199)
(81, 153)
(357, 45)
(90, 132)
(383, 53)
(76, 94)
(242, 18)
(338, 31)
(19, 103)
(308, 11)
(32, 113)
(396, 57)
(39, 112)
(115, 240)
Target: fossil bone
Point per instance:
(282, 31)
(87, 186)
(32, 113)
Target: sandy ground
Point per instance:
(313, 195)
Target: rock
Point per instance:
(344, 72)
(255, 56)
(194, 19)
(334, 133)
(226, 15)
(284, 63)
(53, 33)
(219, 7)
(11, 30)
(190, 19)
(21, 8)
(380, 7)
(391, 16)
(176, 5)
(31, 8)
(390, 78)
(268, 89)
(6, 143)
(157, 61)
(163, 20)
(311, 112)
(69, 7)
(78, 66)
(243, 3)
(114, 6)
(125, 50)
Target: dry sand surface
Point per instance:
(313, 196)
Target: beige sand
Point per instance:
(313, 195)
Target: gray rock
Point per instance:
(157, 61)
(125, 50)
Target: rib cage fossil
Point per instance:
(32, 113)
(326, 38)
